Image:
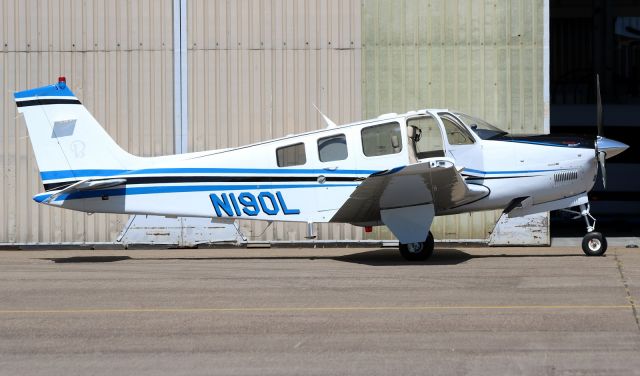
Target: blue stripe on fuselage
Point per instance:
(178, 189)
(64, 174)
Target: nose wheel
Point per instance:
(418, 251)
(593, 243)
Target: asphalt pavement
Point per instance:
(335, 311)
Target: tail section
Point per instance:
(67, 140)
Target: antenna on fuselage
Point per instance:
(329, 122)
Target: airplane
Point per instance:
(398, 170)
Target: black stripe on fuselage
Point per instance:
(43, 102)
(209, 179)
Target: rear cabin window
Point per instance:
(292, 155)
(332, 148)
(381, 139)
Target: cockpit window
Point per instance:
(457, 134)
(483, 129)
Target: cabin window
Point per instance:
(381, 139)
(456, 133)
(332, 148)
(292, 155)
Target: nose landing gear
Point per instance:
(593, 243)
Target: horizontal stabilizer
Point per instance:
(86, 185)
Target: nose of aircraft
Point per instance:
(610, 147)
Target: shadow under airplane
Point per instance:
(378, 257)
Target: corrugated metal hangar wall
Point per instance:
(255, 69)
(117, 57)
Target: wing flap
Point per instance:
(433, 181)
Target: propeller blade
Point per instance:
(599, 106)
(601, 161)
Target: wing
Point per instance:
(434, 181)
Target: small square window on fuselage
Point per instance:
(332, 148)
(292, 155)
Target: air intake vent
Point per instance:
(565, 176)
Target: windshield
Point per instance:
(483, 129)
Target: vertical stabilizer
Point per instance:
(65, 137)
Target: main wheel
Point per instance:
(594, 244)
(419, 251)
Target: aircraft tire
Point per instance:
(418, 251)
(594, 244)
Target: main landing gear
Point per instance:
(419, 251)
(593, 243)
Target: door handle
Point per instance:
(333, 168)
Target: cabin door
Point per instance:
(458, 142)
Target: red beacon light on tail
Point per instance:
(62, 82)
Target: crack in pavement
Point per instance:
(626, 288)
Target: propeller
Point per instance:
(605, 148)
(599, 106)
(602, 156)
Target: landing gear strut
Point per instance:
(593, 243)
(419, 251)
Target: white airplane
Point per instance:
(398, 170)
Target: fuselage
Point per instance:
(307, 177)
